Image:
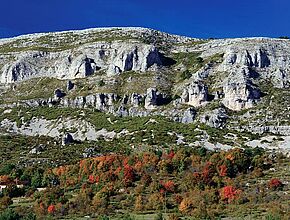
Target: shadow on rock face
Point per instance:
(253, 73)
(166, 61)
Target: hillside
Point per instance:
(66, 96)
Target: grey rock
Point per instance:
(90, 101)
(128, 57)
(154, 98)
(114, 58)
(89, 152)
(216, 118)
(188, 116)
(37, 150)
(122, 111)
(278, 130)
(82, 66)
(136, 99)
(195, 94)
(151, 98)
(79, 102)
(239, 93)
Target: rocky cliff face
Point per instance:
(141, 72)
(112, 58)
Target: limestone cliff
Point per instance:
(143, 72)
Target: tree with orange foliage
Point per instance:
(5, 179)
(223, 170)
(138, 166)
(39, 208)
(139, 203)
(186, 205)
(60, 170)
(155, 201)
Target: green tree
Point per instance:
(7, 169)
(9, 214)
(36, 180)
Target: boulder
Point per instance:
(37, 150)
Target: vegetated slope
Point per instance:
(80, 94)
(193, 183)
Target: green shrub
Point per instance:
(9, 214)
(101, 83)
(185, 75)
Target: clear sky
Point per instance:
(195, 18)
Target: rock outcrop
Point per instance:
(195, 94)
(113, 58)
(188, 116)
(133, 57)
(118, 71)
(239, 92)
(154, 98)
(57, 129)
(264, 58)
(67, 139)
(216, 118)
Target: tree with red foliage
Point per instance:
(60, 170)
(171, 155)
(168, 186)
(91, 179)
(51, 209)
(208, 172)
(129, 175)
(275, 184)
(229, 193)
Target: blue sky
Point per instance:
(203, 18)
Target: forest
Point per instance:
(178, 183)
